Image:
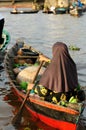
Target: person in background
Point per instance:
(59, 81)
(1, 28)
(80, 4)
(15, 10)
(77, 3)
(52, 8)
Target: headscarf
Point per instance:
(61, 74)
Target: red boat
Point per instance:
(54, 115)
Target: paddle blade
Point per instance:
(17, 118)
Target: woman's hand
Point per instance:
(30, 86)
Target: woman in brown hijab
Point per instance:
(59, 81)
(61, 74)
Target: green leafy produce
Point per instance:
(23, 85)
(16, 65)
(19, 65)
(73, 100)
(36, 64)
(63, 103)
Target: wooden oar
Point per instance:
(17, 119)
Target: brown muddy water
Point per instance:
(41, 31)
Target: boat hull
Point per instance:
(43, 113)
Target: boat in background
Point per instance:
(61, 10)
(6, 37)
(77, 11)
(58, 115)
(16, 11)
(47, 11)
(3, 47)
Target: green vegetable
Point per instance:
(16, 65)
(23, 85)
(73, 100)
(36, 64)
(70, 100)
(63, 103)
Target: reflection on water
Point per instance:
(40, 31)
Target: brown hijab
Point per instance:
(61, 74)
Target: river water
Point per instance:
(41, 31)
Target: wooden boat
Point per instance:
(24, 12)
(57, 11)
(54, 115)
(3, 47)
(6, 37)
(61, 10)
